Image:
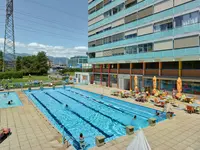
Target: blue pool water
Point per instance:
(5, 97)
(89, 113)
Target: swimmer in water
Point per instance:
(66, 106)
(82, 141)
(135, 117)
(10, 102)
(157, 113)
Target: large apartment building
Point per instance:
(145, 38)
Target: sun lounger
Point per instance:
(190, 109)
(114, 92)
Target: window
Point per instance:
(143, 48)
(91, 1)
(131, 18)
(107, 14)
(163, 26)
(118, 51)
(107, 40)
(99, 42)
(116, 54)
(99, 6)
(130, 3)
(117, 37)
(99, 32)
(106, 2)
(92, 10)
(131, 36)
(97, 77)
(92, 44)
(187, 19)
(109, 28)
(131, 50)
(91, 55)
(118, 8)
(154, 65)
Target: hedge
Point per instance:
(9, 75)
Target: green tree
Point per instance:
(19, 63)
(41, 62)
(34, 65)
(1, 61)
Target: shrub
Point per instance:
(11, 74)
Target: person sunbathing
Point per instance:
(4, 132)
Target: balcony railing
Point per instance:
(94, 4)
(113, 70)
(137, 71)
(97, 70)
(157, 16)
(191, 73)
(170, 72)
(105, 8)
(105, 70)
(195, 51)
(154, 36)
(124, 71)
(152, 72)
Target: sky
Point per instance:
(58, 27)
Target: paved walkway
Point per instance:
(180, 133)
(30, 130)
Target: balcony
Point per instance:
(137, 71)
(154, 72)
(105, 70)
(163, 14)
(170, 72)
(124, 71)
(170, 54)
(191, 73)
(105, 8)
(113, 70)
(149, 37)
(97, 70)
(94, 4)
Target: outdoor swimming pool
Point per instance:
(5, 97)
(89, 113)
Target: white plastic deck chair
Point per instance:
(139, 142)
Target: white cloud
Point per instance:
(81, 47)
(57, 51)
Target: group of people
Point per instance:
(10, 101)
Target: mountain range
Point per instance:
(55, 60)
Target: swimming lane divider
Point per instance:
(75, 113)
(100, 102)
(75, 142)
(92, 108)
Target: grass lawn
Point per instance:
(33, 78)
(71, 73)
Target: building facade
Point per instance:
(145, 38)
(79, 62)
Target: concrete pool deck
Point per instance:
(180, 133)
(31, 131)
